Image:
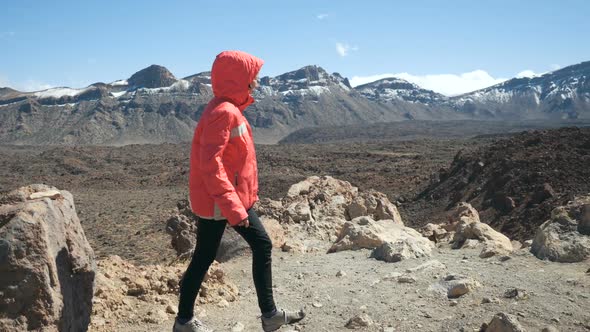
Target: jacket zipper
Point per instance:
(236, 179)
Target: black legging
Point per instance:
(209, 233)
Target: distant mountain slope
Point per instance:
(153, 106)
(562, 94)
(410, 130)
(391, 89)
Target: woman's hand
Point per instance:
(244, 223)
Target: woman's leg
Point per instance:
(209, 233)
(261, 246)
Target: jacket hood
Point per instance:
(231, 73)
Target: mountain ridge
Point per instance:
(153, 106)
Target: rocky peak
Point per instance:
(309, 73)
(342, 80)
(153, 76)
(390, 83)
(309, 80)
(392, 88)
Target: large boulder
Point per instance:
(317, 198)
(321, 197)
(315, 210)
(390, 241)
(47, 267)
(182, 230)
(565, 237)
(468, 226)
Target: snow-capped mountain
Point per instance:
(154, 106)
(396, 89)
(563, 94)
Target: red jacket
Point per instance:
(223, 180)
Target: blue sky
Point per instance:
(448, 46)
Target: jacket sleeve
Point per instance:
(214, 139)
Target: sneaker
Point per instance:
(193, 325)
(282, 317)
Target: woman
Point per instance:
(223, 187)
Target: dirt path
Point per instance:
(554, 294)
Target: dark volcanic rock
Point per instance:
(515, 184)
(153, 76)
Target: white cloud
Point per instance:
(447, 84)
(322, 16)
(344, 49)
(527, 73)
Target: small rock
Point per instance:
(486, 300)
(171, 310)
(527, 244)
(453, 303)
(406, 280)
(505, 258)
(471, 244)
(555, 319)
(223, 303)
(359, 321)
(237, 327)
(516, 245)
(340, 273)
(458, 286)
(549, 329)
(515, 293)
(287, 247)
(503, 322)
(156, 317)
(388, 329)
(317, 305)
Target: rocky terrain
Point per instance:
(376, 276)
(515, 183)
(153, 106)
(372, 236)
(416, 129)
(125, 194)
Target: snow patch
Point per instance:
(119, 82)
(118, 94)
(343, 86)
(178, 86)
(59, 92)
